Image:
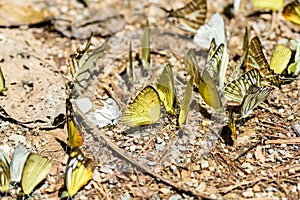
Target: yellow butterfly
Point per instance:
(146, 60)
(274, 5)
(191, 16)
(256, 59)
(291, 12)
(35, 170)
(4, 172)
(254, 96)
(144, 110)
(2, 82)
(75, 134)
(294, 68)
(185, 105)
(236, 90)
(78, 172)
(166, 89)
(280, 58)
(203, 81)
(18, 161)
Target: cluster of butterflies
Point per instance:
(26, 168)
(246, 91)
(30, 169)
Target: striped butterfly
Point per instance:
(144, 110)
(280, 58)
(78, 172)
(291, 12)
(254, 96)
(256, 59)
(75, 134)
(4, 172)
(2, 82)
(204, 82)
(191, 16)
(185, 105)
(236, 90)
(35, 170)
(18, 161)
(82, 64)
(166, 89)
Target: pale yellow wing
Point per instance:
(209, 92)
(78, 172)
(280, 58)
(185, 105)
(35, 170)
(144, 110)
(267, 4)
(166, 90)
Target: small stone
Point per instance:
(164, 190)
(204, 164)
(248, 194)
(17, 138)
(132, 148)
(159, 140)
(256, 188)
(175, 197)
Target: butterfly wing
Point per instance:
(294, 68)
(166, 90)
(237, 89)
(146, 47)
(274, 5)
(19, 158)
(144, 110)
(35, 170)
(4, 172)
(214, 63)
(78, 172)
(280, 58)
(191, 16)
(187, 96)
(208, 91)
(75, 134)
(190, 62)
(291, 12)
(255, 95)
(2, 82)
(256, 59)
(214, 29)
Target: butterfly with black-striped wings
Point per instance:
(256, 59)
(191, 16)
(236, 90)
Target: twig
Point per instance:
(288, 140)
(143, 168)
(232, 187)
(247, 150)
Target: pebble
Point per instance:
(132, 148)
(271, 189)
(17, 138)
(173, 168)
(204, 164)
(159, 140)
(175, 197)
(248, 193)
(256, 188)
